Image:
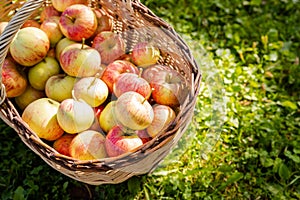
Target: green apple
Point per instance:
(41, 72)
(28, 96)
(59, 87)
(51, 28)
(29, 46)
(41, 117)
(92, 90)
(107, 118)
(75, 116)
(133, 111)
(80, 60)
(61, 45)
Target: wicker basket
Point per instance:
(135, 22)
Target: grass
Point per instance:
(244, 140)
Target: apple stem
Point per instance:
(69, 17)
(73, 95)
(144, 100)
(82, 43)
(140, 73)
(152, 89)
(92, 83)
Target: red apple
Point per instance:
(41, 117)
(105, 23)
(41, 72)
(126, 57)
(144, 54)
(31, 23)
(78, 22)
(75, 116)
(92, 90)
(62, 144)
(131, 82)
(114, 69)
(110, 45)
(119, 142)
(48, 12)
(51, 27)
(133, 111)
(96, 126)
(144, 136)
(28, 96)
(59, 87)
(13, 78)
(163, 116)
(29, 46)
(80, 60)
(169, 86)
(88, 145)
(61, 5)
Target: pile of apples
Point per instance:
(80, 91)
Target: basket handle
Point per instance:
(10, 31)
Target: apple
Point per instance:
(41, 72)
(96, 126)
(118, 141)
(29, 46)
(48, 12)
(41, 117)
(61, 45)
(28, 96)
(31, 23)
(88, 145)
(78, 21)
(62, 144)
(75, 116)
(51, 52)
(59, 87)
(126, 57)
(107, 117)
(144, 54)
(163, 116)
(169, 86)
(80, 60)
(61, 5)
(13, 78)
(2, 26)
(92, 90)
(144, 136)
(110, 45)
(51, 27)
(131, 82)
(114, 69)
(133, 111)
(105, 23)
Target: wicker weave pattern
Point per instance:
(134, 22)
